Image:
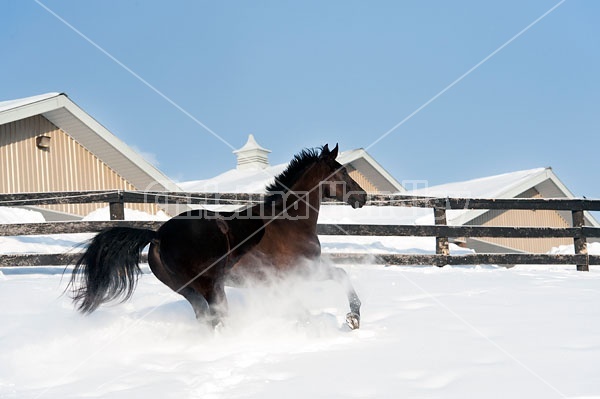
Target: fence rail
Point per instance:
(18, 229)
(32, 260)
(441, 231)
(120, 196)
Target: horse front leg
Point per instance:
(198, 302)
(208, 301)
(217, 303)
(339, 275)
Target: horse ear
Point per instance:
(334, 152)
(325, 151)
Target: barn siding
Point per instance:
(66, 166)
(362, 181)
(525, 218)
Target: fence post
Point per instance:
(117, 207)
(441, 243)
(580, 241)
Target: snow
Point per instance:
(20, 215)
(236, 181)
(506, 185)
(11, 104)
(452, 332)
(34, 244)
(56, 243)
(592, 247)
(253, 180)
(130, 214)
(335, 214)
(486, 187)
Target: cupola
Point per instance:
(252, 155)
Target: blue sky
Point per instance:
(301, 74)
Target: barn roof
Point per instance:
(256, 179)
(506, 185)
(376, 174)
(83, 128)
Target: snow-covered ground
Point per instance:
(452, 332)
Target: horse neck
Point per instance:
(307, 192)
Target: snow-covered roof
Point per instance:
(236, 181)
(12, 104)
(255, 180)
(506, 185)
(69, 117)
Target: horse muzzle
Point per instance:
(357, 200)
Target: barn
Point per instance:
(532, 183)
(253, 172)
(48, 143)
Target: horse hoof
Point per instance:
(219, 327)
(353, 320)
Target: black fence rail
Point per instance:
(441, 231)
(120, 196)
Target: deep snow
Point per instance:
(454, 332)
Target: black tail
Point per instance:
(109, 267)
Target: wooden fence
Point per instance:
(441, 231)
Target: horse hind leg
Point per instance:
(196, 299)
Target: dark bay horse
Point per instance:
(197, 252)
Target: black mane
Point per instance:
(290, 175)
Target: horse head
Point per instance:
(338, 183)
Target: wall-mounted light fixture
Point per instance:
(43, 142)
